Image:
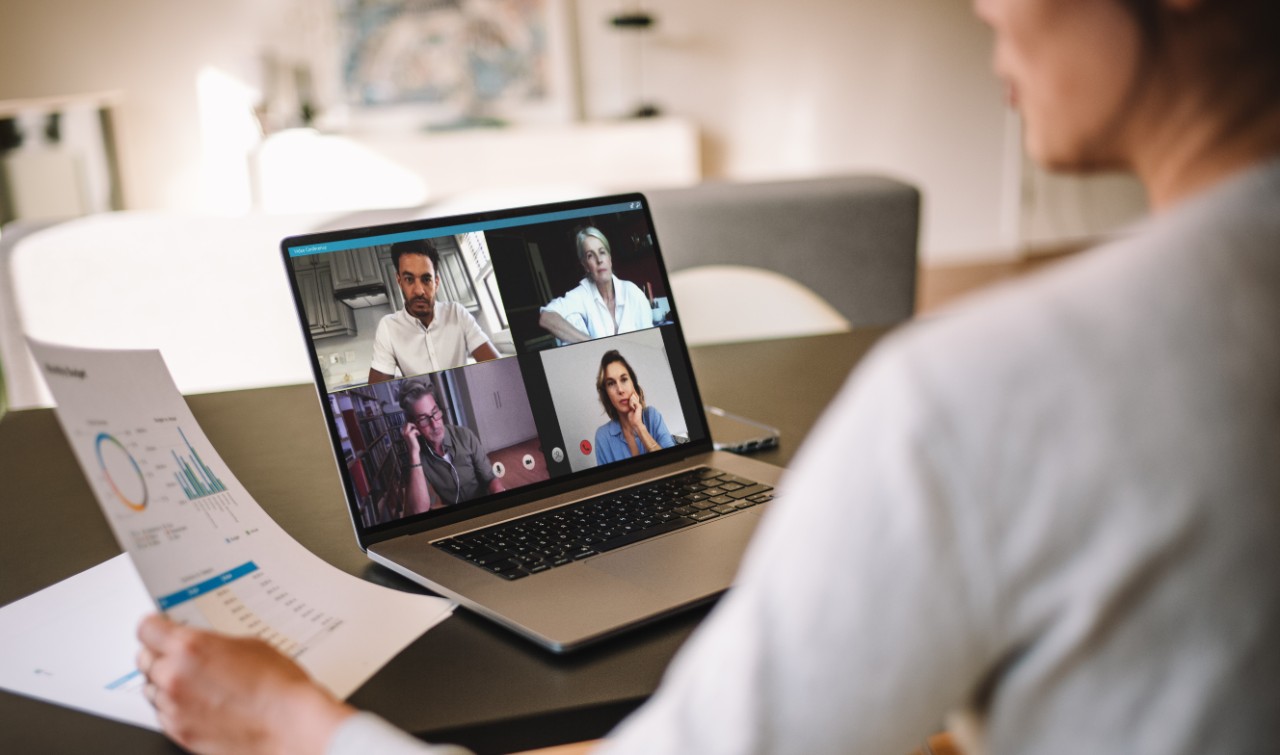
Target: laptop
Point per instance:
(567, 489)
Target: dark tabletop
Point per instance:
(464, 681)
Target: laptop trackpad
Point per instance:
(688, 564)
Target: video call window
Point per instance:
(604, 390)
(559, 266)
(347, 293)
(478, 420)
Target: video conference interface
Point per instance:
(494, 359)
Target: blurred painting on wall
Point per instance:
(457, 63)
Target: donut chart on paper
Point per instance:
(121, 471)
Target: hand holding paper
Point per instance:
(213, 692)
(207, 553)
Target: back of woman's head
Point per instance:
(1233, 36)
(1221, 58)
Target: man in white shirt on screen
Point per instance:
(427, 335)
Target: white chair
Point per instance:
(729, 303)
(20, 385)
(209, 292)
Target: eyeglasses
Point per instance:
(423, 419)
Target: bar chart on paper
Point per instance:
(165, 490)
(201, 548)
(156, 483)
(193, 475)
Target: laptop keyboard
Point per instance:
(548, 539)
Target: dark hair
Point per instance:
(1147, 14)
(610, 357)
(425, 247)
(411, 391)
(1247, 31)
(1236, 41)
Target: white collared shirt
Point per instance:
(583, 307)
(402, 341)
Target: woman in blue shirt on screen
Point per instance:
(633, 428)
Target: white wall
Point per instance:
(901, 87)
(780, 89)
(824, 86)
(152, 50)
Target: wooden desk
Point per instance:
(465, 681)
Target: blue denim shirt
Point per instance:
(611, 446)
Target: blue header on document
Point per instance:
(450, 230)
(209, 585)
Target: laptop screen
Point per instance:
(472, 360)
